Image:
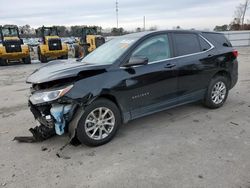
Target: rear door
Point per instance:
(192, 53)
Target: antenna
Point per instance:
(117, 9)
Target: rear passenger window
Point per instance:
(186, 43)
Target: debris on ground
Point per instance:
(59, 155)
(25, 139)
(40, 133)
(200, 176)
(234, 123)
(43, 148)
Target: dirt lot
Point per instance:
(189, 146)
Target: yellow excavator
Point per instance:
(89, 41)
(51, 45)
(12, 47)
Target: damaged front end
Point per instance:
(59, 93)
(52, 110)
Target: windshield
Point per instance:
(9, 32)
(109, 52)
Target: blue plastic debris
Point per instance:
(58, 111)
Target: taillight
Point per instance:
(235, 53)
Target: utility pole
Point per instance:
(245, 7)
(144, 23)
(117, 9)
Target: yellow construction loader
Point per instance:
(51, 45)
(89, 41)
(12, 47)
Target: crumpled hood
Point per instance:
(60, 69)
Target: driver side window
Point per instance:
(155, 48)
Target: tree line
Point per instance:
(239, 21)
(27, 31)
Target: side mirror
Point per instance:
(134, 61)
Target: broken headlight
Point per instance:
(47, 96)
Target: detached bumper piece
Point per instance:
(53, 120)
(40, 133)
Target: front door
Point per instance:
(151, 87)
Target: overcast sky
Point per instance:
(165, 14)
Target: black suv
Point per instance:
(129, 77)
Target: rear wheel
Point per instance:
(217, 92)
(63, 57)
(85, 50)
(77, 51)
(41, 57)
(27, 60)
(3, 62)
(99, 123)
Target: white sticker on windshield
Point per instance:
(127, 41)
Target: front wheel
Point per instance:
(63, 57)
(217, 92)
(99, 123)
(3, 62)
(41, 57)
(27, 60)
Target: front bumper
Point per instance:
(55, 53)
(54, 116)
(14, 55)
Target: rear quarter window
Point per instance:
(186, 43)
(217, 39)
(204, 44)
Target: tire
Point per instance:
(113, 123)
(216, 95)
(77, 51)
(3, 62)
(63, 57)
(85, 50)
(42, 58)
(27, 60)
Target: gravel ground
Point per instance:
(188, 146)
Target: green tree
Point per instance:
(221, 28)
(117, 31)
(138, 29)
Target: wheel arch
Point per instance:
(225, 74)
(115, 101)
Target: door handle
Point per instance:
(169, 66)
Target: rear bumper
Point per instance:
(234, 74)
(234, 81)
